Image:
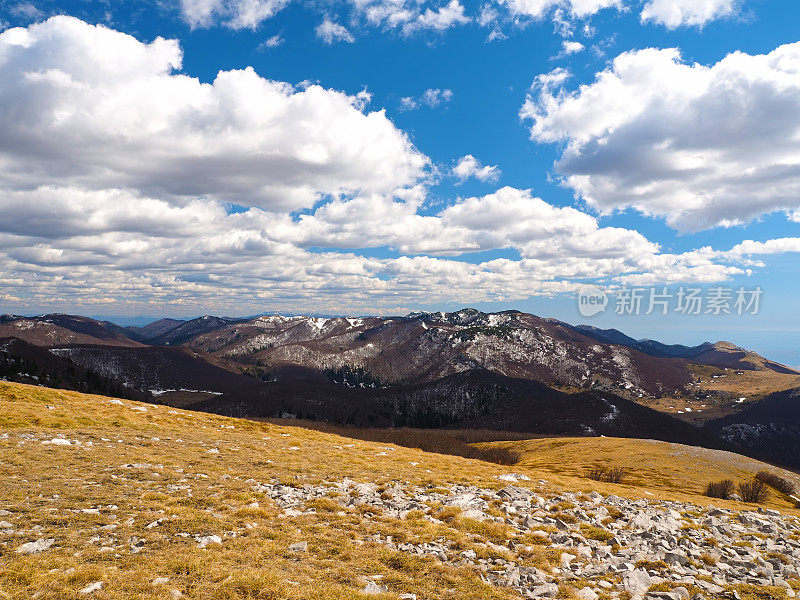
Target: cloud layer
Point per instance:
(700, 146)
(409, 17)
(124, 181)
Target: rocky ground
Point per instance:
(614, 546)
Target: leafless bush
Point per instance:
(720, 489)
(776, 482)
(597, 473)
(753, 491)
(615, 475)
(612, 475)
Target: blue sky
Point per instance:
(131, 190)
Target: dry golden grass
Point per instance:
(743, 383)
(43, 484)
(189, 491)
(726, 387)
(653, 469)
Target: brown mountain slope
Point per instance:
(430, 346)
(730, 356)
(59, 329)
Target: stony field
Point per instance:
(103, 498)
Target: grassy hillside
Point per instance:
(655, 469)
(132, 494)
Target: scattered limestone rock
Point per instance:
(587, 593)
(57, 442)
(637, 583)
(372, 589)
(36, 547)
(92, 588)
(512, 477)
(548, 590)
(205, 540)
(299, 546)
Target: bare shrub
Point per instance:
(597, 473)
(612, 475)
(720, 489)
(776, 482)
(753, 491)
(615, 475)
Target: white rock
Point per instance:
(299, 547)
(587, 593)
(208, 539)
(372, 589)
(512, 477)
(548, 590)
(57, 442)
(92, 587)
(637, 582)
(160, 581)
(39, 545)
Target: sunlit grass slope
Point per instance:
(652, 468)
(127, 499)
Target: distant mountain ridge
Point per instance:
(58, 329)
(154, 329)
(719, 354)
(506, 370)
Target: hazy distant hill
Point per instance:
(719, 354)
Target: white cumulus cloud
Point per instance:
(469, 166)
(439, 19)
(687, 13)
(698, 145)
(432, 98)
(272, 42)
(92, 107)
(537, 9)
(117, 174)
(571, 47)
(411, 16)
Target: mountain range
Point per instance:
(509, 371)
